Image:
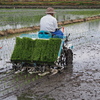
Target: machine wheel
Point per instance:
(62, 60)
(69, 56)
(66, 58)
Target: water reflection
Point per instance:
(94, 25)
(83, 29)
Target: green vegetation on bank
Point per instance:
(38, 50)
(48, 3)
(84, 12)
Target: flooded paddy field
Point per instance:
(80, 81)
(20, 18)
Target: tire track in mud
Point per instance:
(17, 84)
(13, 84)
(61, 84)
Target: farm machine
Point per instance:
(41, 53)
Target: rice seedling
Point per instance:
(17, 18)
(33, 52)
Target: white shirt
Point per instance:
(48, 23)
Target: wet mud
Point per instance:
(80, 81)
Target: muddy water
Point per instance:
(80, 81)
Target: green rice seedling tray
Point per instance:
(38, 50)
